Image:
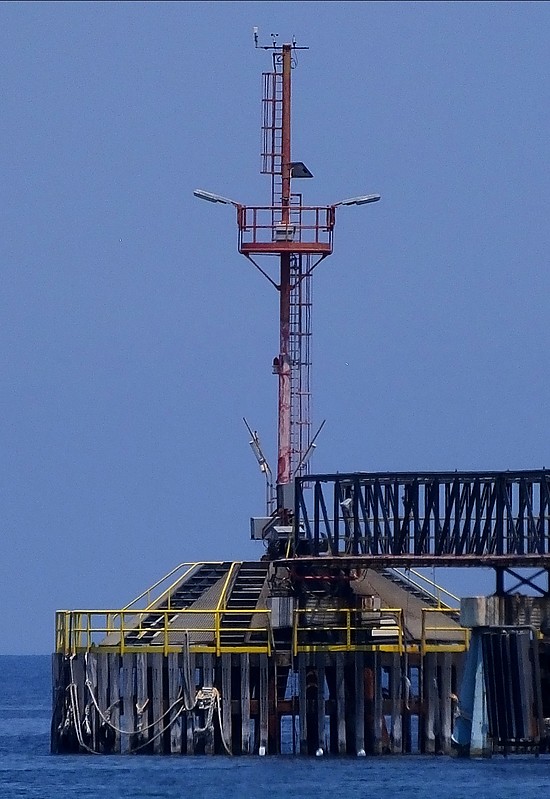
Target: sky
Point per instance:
(134, 337)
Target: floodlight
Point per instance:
(366, 198)
(215, 198)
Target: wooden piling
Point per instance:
(320, 668)
(302, 702)
(359, 702)
(446, 702)
(341, 703)
(396, 693)
(226, 701)
(378, 720)
(273, 721)
(175, 701)
(128, 722)
(102, 695)
(430, 703)
(114, 697)
(188, 720)
(142, 701)
(245, 703)
(208, 682)
(91, 677)
(263, 704)
(157, 696)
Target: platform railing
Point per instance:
(131, 631)
(307, 225)
(181, 571)
(428, 586)
(437, 637)
(348, 630)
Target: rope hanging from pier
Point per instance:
(73, 718)
(209, 699)
(205, 699)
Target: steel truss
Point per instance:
(497, 519)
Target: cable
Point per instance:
(210, 697)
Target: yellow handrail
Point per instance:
(453, 645)
(78, 630)
(222, 603)
(148, 591)
(346, 634)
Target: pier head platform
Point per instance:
(334, 643)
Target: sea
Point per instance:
(29, 771)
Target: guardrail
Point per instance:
(263, 227)
(146, 630)
(175, 575)
(432, 639)
(427, 586)
(348, 630)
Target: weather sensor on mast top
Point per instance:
(286, 240)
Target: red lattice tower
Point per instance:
(299, 236)
(295, 237)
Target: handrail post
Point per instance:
(348, 629)
(423, 634)
(165, 614)
(69, 631)
(269, 632)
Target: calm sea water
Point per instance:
(28, 770)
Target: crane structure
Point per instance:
(298, 237)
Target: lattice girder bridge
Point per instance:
(498, 519)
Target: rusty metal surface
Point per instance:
(404, 561)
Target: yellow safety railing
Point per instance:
(438, 637)
(157, 630)
(348, 630)
(221, 606)
(182, 570)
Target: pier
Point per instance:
(236, 658)
(333, 643)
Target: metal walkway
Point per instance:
(496, 519)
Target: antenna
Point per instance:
(309, 451)
(273, 45)
(264, 466)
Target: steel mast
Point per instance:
(297, 237)
(292, 228)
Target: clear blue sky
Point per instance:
(133, 335)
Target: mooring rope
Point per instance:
(106, 716)
(160, 732)
(186, 675)
(209, 697)
(72, 690)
